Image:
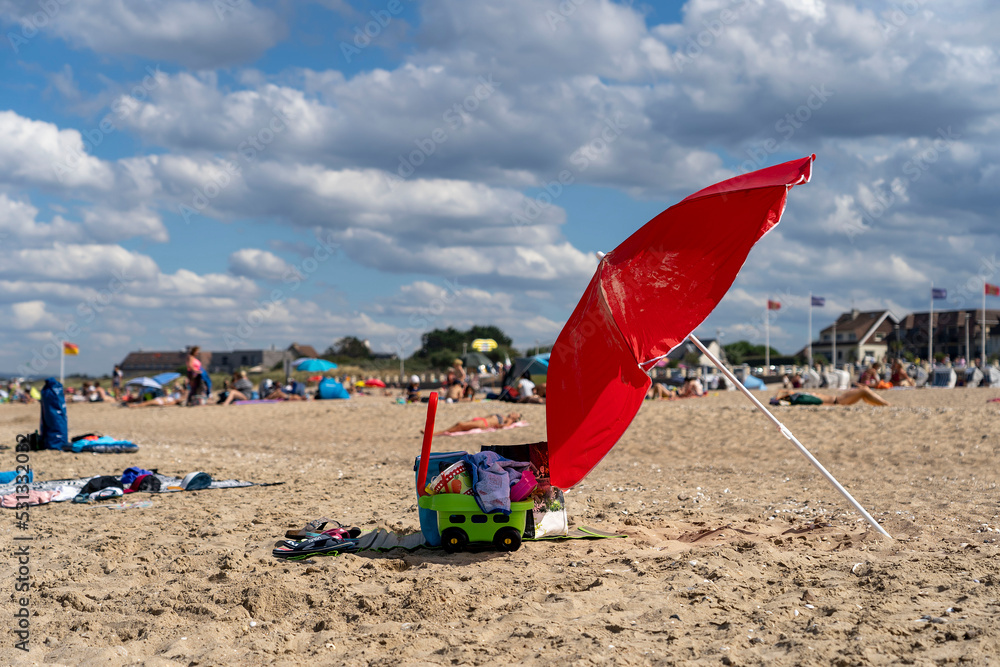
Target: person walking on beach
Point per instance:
(194, 375)
(116, 381)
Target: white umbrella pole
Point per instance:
(788, 434)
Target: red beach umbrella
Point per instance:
(647, 296)
(374, 382)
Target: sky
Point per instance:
(240, 174)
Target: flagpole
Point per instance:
(833, 352)
(62, 362)
(982, 327)
(810, 330)
(785, 432)
(767, 337)
(930, 331)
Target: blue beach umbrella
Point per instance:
(164, 378)
(313, 365)
(149, 383)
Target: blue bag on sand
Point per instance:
(53, 428)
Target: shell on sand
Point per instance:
(738, 552)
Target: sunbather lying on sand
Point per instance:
(849, 397)
(175, 398)
(487, 422)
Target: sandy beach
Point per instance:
(737, 551)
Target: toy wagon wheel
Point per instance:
(454, 539)
(507, 539)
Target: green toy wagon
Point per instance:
(462, 522)
(455, 520)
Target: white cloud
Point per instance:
(193, 34)
(82, 263)
(30, 315)
(255, 263)
(37, 153)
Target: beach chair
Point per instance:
(838, 379)
(993, 377)
(973, 377)
(811, 379)
(944, 378)
(919, 376)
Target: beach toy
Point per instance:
(454, 520)
(454, 479)
(524, 486)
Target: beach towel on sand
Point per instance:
(100, 445)
(67, 489)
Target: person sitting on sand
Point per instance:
(98, 394)
(413, 390)
(485, 423)
(242, 389)
(660, 390)
(900, 378)
(526, 390)
(849, 397)
(870, 376)
(692, 387)
(276, 394)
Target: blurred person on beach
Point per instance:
(692, 387)
(900, 378)
(273, 392)
(658, 390)
(116, 381)
(870, 376)
(526, 390)
(849, 397)
(294, 388)
(413, 390)
(99, 395)
(176, 397)
(193, 375)
(242, 389)
(471, 386)
(461, 377)
(487, 422)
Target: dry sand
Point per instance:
(738, 552)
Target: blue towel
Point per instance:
(102, 445)
(10, 476)
(492, 477)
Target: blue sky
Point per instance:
(245, 173)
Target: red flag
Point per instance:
(773, 305)
(992, 290)
(646, 296)
(70, 348)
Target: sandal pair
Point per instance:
(318, 526)
(317, 545)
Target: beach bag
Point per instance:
(53, 428)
